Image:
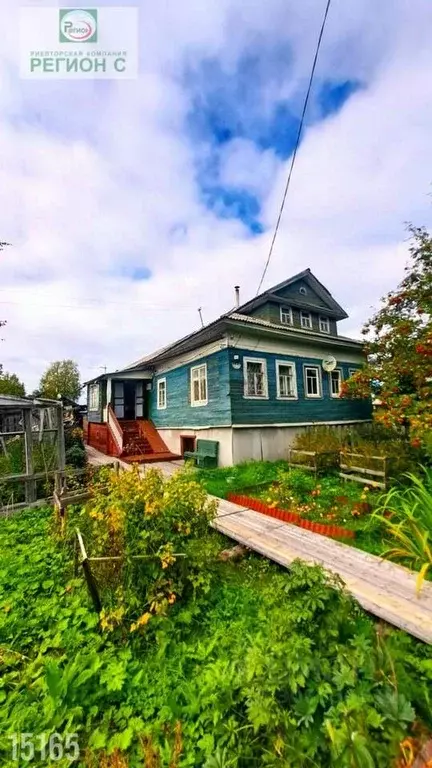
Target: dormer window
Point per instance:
(286, 317)
(305, 319)
(324, 325)
(303, 290)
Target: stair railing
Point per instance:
(115, 429)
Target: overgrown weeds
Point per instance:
(406, 514)
(264, 669)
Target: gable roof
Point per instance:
(332, 307)
(217, 328)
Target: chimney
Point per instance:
(237, 295)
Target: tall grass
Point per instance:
(407, 516)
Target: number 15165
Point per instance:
(44, 746)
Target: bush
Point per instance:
(319, 439)
(366, 439)
(160, 530)
(76, 456)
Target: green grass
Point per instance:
(268, 669)
(249, 475)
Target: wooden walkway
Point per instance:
(382, 588)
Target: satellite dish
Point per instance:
(329, 363)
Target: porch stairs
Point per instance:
(142, 443)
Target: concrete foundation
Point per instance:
(172, 439)
(263, 443)
(237, 444)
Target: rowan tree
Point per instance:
(398, 343)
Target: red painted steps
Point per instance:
(142, 443)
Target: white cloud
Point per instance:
(97, 180)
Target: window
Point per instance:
(286, 380)
(312, 381)
(255, 378)
(305, 320)
(94, 397)
(161, 394)
(335, 383)
(303, 290)
(324, 325)
(286, 315)
(352, 371)
(199, 385)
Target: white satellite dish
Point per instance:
(329, 363)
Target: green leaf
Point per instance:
(361, 754)
(121, 740)
(53, 677)
(98, 739)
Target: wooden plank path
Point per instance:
(383, 588)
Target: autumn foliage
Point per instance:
(398, 343)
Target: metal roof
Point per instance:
(251, 320)
(10, 401)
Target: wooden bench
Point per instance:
(206, 454)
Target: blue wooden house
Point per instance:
(250, 380)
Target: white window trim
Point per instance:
(352, 371)
(292, 365)
(286, 311)
(308, 314)
(315, 368)
(326, 320)
(339, 371)
(303, 290)
(263, 362)
(94, 389)
(198, 403)
(158, 405)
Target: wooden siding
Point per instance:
(293, 290)
(179, 412)
(274, 411)
(271, 312)
(98, 437)
(96, 416)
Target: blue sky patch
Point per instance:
(234, 204)
(132, 272)
(232, 104)
(333, 95)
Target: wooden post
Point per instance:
(30, 485)
(91, 583)
(61, 456)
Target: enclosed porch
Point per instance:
(118, 421)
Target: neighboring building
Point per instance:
(250, 380)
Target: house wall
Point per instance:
(179, 413)
(96, 416)
(223, 435)
(271, 312)
(270, 410)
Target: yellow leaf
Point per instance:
(421, 577)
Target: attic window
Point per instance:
(305, 320)
(303, 290)
(286, 317)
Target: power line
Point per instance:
(97, 304)
(293, 159)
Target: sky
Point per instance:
(129, 204)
